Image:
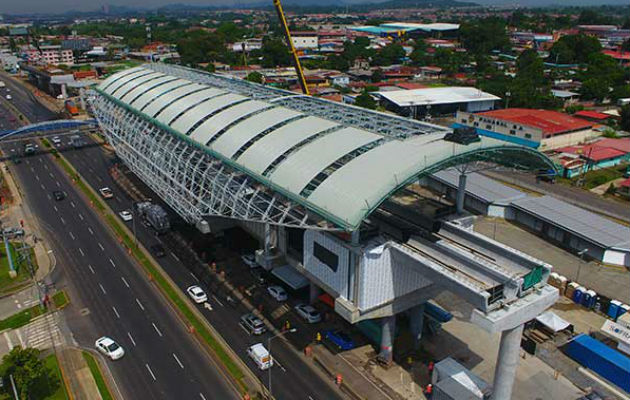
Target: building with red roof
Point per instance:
(603, 153)
(534, 128)
(593, 115)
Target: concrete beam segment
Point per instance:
(388, 329)
(461, 194)
(522, 310)
(507, 362)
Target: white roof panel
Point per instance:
(172, 91)
(143, 87)
(262, 153)
(439, 95)
(152, 94)
(347, 192)
(190, 118)
(211, 126)
(184, 102)
(241, 133)
(132, 83)
(118, 75)
(126, 78)
(299, 168)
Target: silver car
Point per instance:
(253, 324)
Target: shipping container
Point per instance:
(453, 381)
(605, 361)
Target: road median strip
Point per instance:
(168, 289)
(97, 374)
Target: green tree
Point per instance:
(574, 49)
(362, 41)
(388, 55)
(625, 118)
(448, 60)
(419, 54)
(482, 36)
(274, 53)
(254, 76)
(377, 75)
(602, 74)
(626, 45)
(200, 47)
(32, 378)
(365, 100)
(530, 87)
(210, 67)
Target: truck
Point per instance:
(2, 84)
(71, 107)
(154, 216)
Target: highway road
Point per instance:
(292, 379)
(112, 297)
(24, 100)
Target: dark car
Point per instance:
(158, 250)
(339, 339)
(59, 195)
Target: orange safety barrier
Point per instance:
(338, 379)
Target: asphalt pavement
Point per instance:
(162, 360)
(24, 100)
(292, 378)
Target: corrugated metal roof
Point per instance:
(579, 221)
(338, 160)
(435, 96)
(480, 187)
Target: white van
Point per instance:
(260, 355)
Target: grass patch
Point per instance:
(60, 299)
(98, 376)
(46, 142)
(22, 318)
(599, 177)
(170, 292)
(7, 283)
(61, 393)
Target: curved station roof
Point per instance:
(338, 161)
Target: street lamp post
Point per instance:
(292, 330)
(581, 254)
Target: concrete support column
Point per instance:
(64, 91)
(388, 329)
(461, 194)
(353, 268)
(416, 324)
(267, 244)
(507, 361)
(314, 292)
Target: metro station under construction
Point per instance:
(331, 191)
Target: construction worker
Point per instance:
(430, 367)
(287, 325)
(318, 337)
(428, 391)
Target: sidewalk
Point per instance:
(77, 376)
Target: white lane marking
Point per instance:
(57, 183)
(178, 362)
(140, 304)
(91, 269)
(156, 329)
(71, 235)
(81, 251)
(99, 179)
(81, 217)
(217, 300)
(63, 221)
(124, 281)
(43, 188)
(45, 166)
(202, 396)
(49, 198)
(9, 342)
(275, 362)
(248, 333)
(131, 338)
(19, 335)
(151, 372)
(175, 257)
(37, 178)
(193, 275)
(55, 208)
(72, 204)
(101, 246)
(116, 312)
(102, 289)
(112, 263)
(51, 175)
(91, 231)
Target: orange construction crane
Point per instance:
(287, 35)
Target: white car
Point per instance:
(250, 260)
(309, 313)
(110, 348)
(106, 193)
(197, 294)
(9, 97)
(277, 292)
(56, 140)
(126, 215)
(260, 355)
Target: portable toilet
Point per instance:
(623, 308)
(562, 283)
(589, 299)
(586, 297)
(571, 290)
(578, 294)
(614, 309)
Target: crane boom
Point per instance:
(287, 35)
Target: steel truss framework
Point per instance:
(48, 126)
(192, 182)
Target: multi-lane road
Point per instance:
(162, 361)
(111, 296)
